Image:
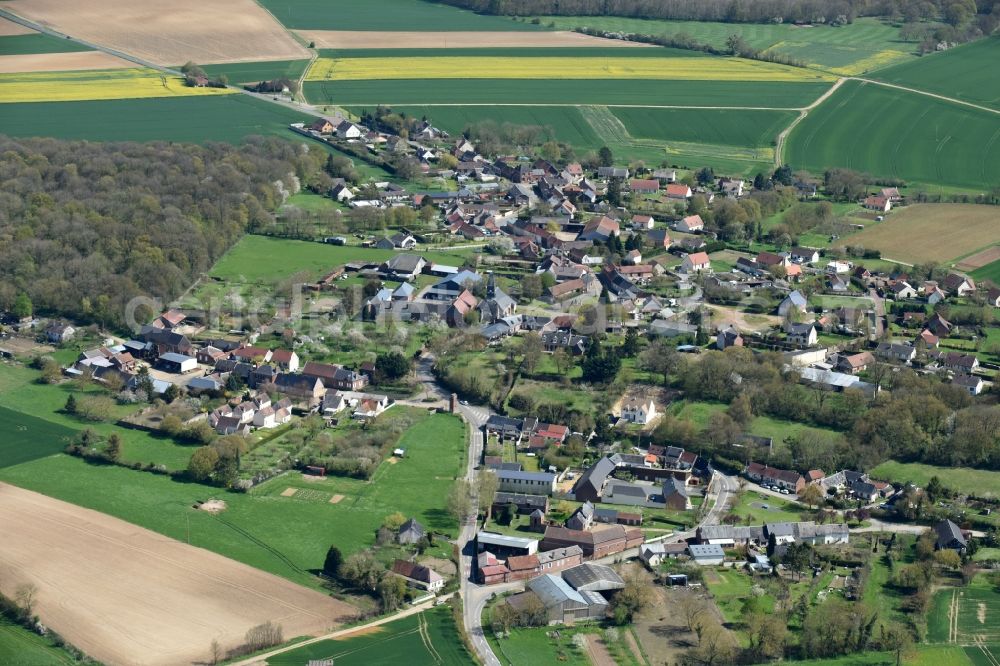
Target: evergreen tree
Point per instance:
(70, 407)
(334, 558)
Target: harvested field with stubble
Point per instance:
(124, 594)
(360, 39)
(61, 62)
(914, 234)
(169, 33)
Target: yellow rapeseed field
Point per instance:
(876, 61)
(454, 67)
(94, 85)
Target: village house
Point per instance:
(690, 224)
(644, 186)
(896, 351)
(678, 191)
(855, 363)
(639, 411)
(804, 255)
(801, 335)
(642, 222)
(696, 262)
(417, 575)
(794, 301)
(772, 476)
(878, 203)
(959, 285)
(532, 483)
(971, 383)
(728, 337)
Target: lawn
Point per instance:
(261, 258)
(913, 234)
(37, 43)
(893, 133)
(534, 646)
(980, 482)
(861, 46)
(284, 535)
(383, 15)
(229, 118)
(417, 91)
(966, 72)
(699, 412)
(574, 397)
(20, 647)
(254, 72)
(763, 509)
(729, 587)
(425, 638)
(780, 429)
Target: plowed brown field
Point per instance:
(126, 595)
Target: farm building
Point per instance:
(176, 363)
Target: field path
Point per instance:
(260, 659)
(925, 93)
(125, 594)
(779, 147)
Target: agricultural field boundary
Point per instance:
(925, 93)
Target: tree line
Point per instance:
(86, 227)
(730, 11)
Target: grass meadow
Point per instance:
(228, 118)
(253, 72)
(20, 647)
(414, 15)
(425, 638)
(979, 482)
(966, 72)
(892, 133)
(853, 49)
(260, 258)
(283, 535)
(38, 407)
(28, 437)
(621, 91)
(99, 84)
(37, 43)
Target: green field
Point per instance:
(37, 43)
(252, 72)
(726, 127)
(39, 407)
(383, 15)
(398, 92)
(892, 133)
(980, 482)
(863, 45)
(27, 437)
(283, 535)
(978, 615)
(260, 258)
(516, 52)
(989, 272)
(926, 655)
(20, 647)
(966, 72)
(228, 118)
(423, 639)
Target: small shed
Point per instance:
(177, 363)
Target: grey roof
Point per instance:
(404, 263)
(553, 591)
(674, 486)
(412, 525)
(706, 550)
(593, 577)
(595, 476)
(176, 358)
(520, 498)
(518, 475)
(504, 540)
(947, 531)
(797, 298)
(624, 488)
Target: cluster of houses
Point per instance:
(846, 483)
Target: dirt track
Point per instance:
(126, 595)
(352, 39)
(60, 62)
(171, 32)
(9, 28)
